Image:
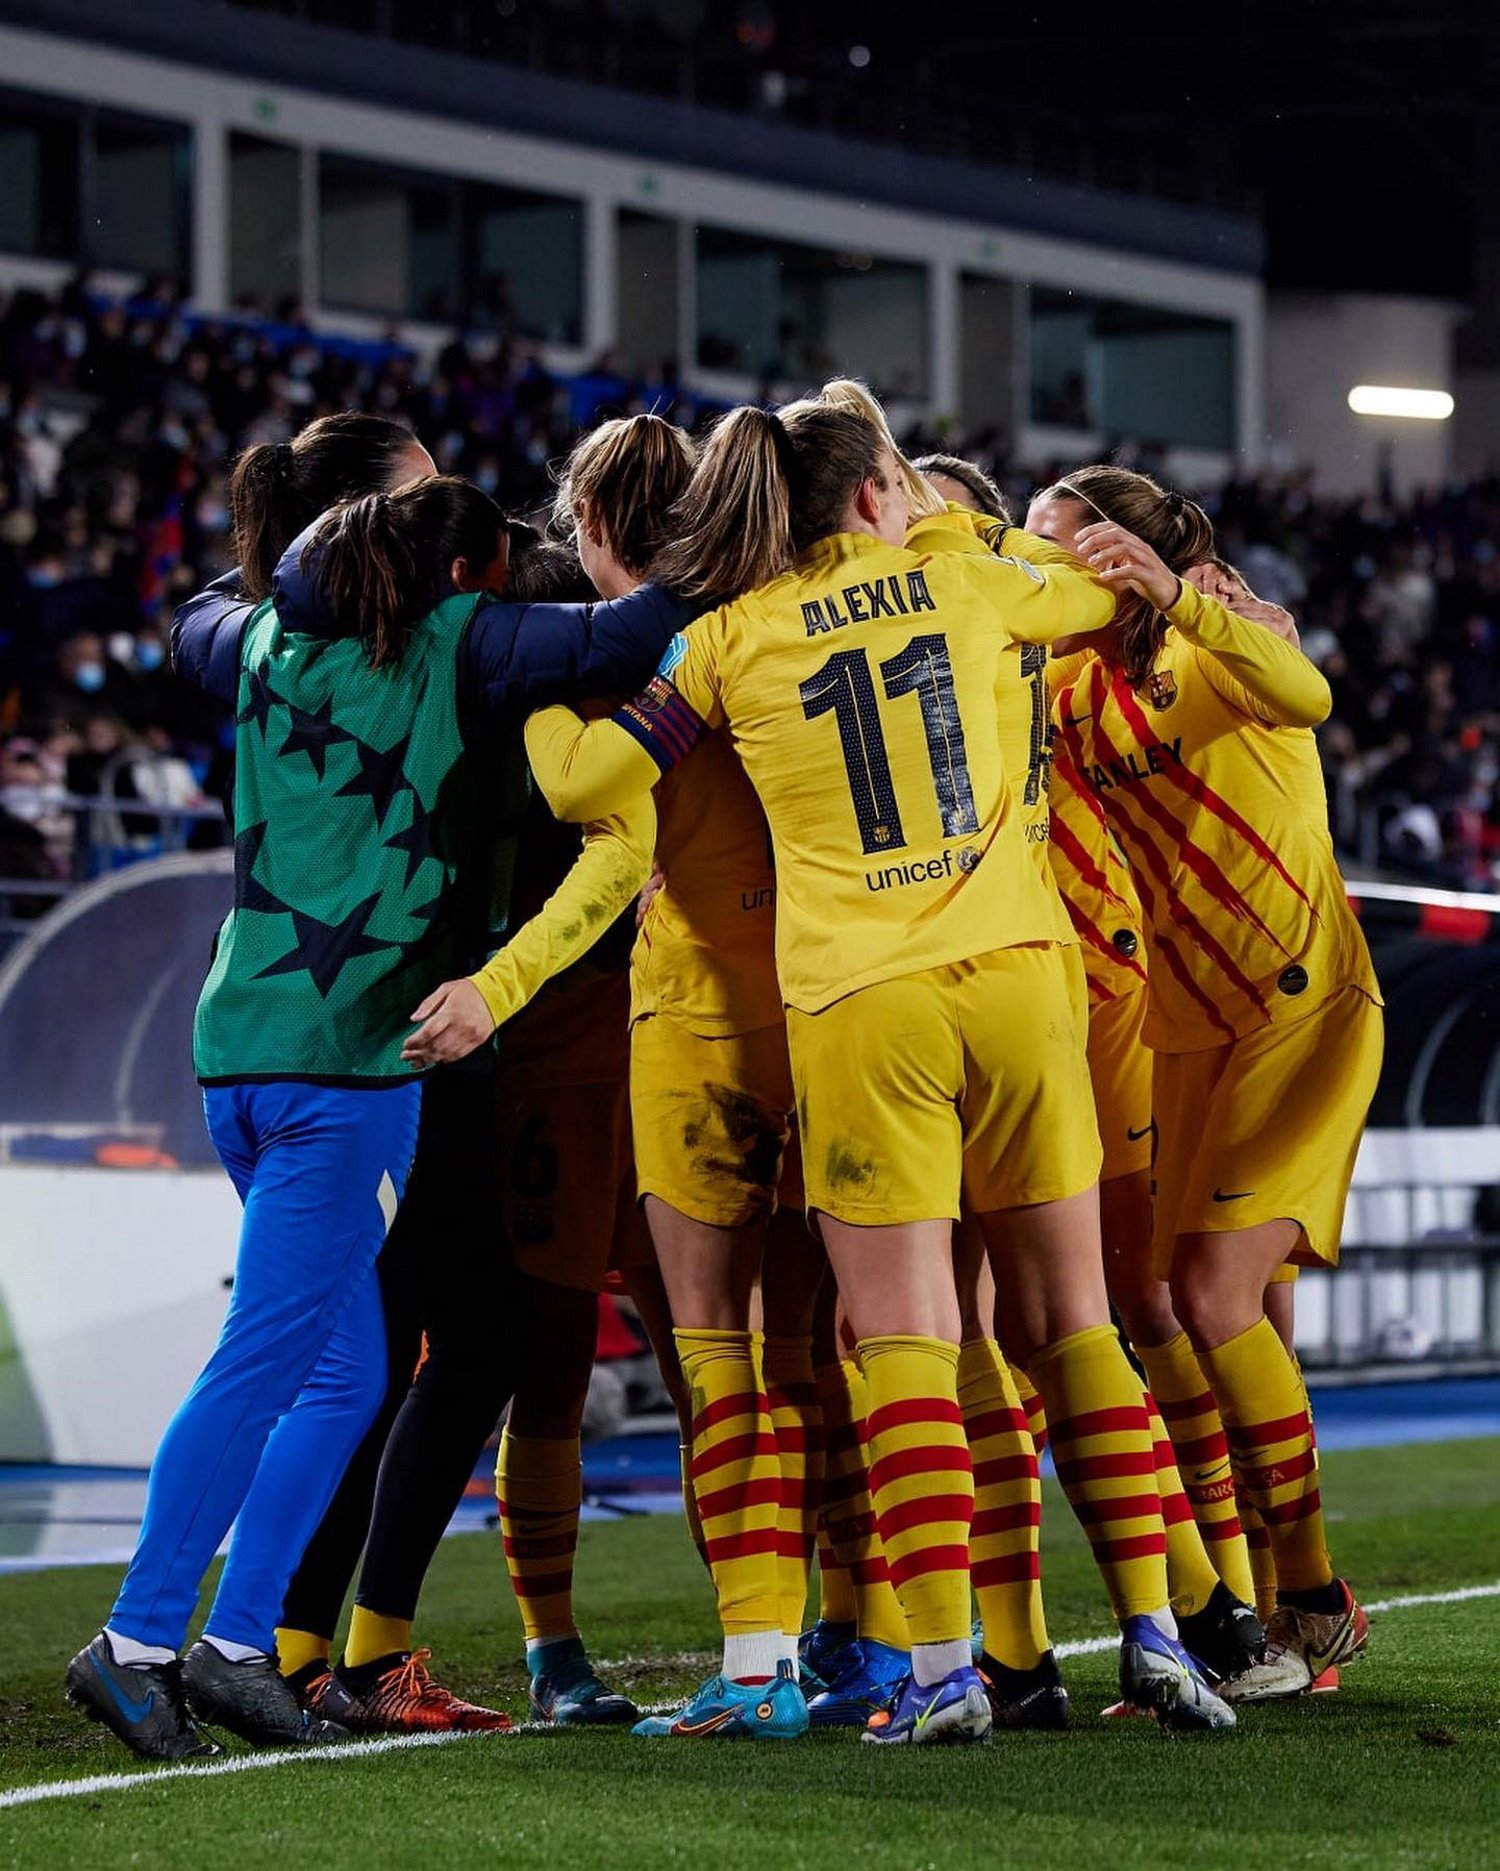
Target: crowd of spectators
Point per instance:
(118, 424)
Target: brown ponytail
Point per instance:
(627, 473)
(766, 488)
(278, 488)
(382, 562)
(1176, 528)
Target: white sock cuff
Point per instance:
(233, 1653)
(930, 1663)
(125, 1650)
(754, 1655)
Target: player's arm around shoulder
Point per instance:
(206, 636)
(585, 770)
(1037, 602)
(588, 769)
(1253, 658)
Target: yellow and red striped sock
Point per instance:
(836, 1601)
(539, 1491)
(1191, 1577)
(1192, 1418)
(1102, 1445)
(1266, 1417)
(1005, 1538)
(736, 1478)
(855, 1582)
(786, 1365)
(1031, 1403)
(922, 1483)
(1262, 1559)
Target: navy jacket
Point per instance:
(513, 658)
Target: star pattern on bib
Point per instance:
(416, 840)
(249, 892)
(262, 699)
(380, 775)
(313, 732)
(325, 949)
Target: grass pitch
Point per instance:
(1400, 1770)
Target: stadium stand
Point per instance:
(116, 422)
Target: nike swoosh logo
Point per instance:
(1075, 721)
(129, 1707)
(711, 1726)
(1239, 1195)
(923, 1714)
(1136, 1135)
(1320, 1660)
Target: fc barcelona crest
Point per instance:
(1161, 690)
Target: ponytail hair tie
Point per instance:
(1175, 503)
(786, 454)
(284, 456)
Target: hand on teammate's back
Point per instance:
(454, 1021)
(649, 889)
(1216, 579)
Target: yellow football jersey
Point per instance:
(1209, 777)
(859, 692)
(1096, 886)
(706, 952)
(1021, 703)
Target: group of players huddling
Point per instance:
(989, 1046)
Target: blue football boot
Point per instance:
(956, 1709)
(869, 1681)
(730, 1711)
(1156, 1673)
(822, 1652)
(566, 1689)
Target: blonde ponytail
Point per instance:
(849, 394)
(732, 527)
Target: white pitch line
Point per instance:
(395, 1744)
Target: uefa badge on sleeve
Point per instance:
(1161, 689)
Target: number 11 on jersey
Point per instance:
(845, 688)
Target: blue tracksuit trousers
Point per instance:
(299, 1370)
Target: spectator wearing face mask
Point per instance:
(35, 832)
(87, 682)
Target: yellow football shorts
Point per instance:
(1120, 1067)
(712, 1117)
(965, 1081)
(1266, 1128)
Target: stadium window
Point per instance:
(139, 213)
(648, 252)
(383, 242)
(40, 153)
(265, 223)
(988, 320)
(1135, 371)
(420, 246)
(526, 263)
(792, 314)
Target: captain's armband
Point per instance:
(662, 722)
